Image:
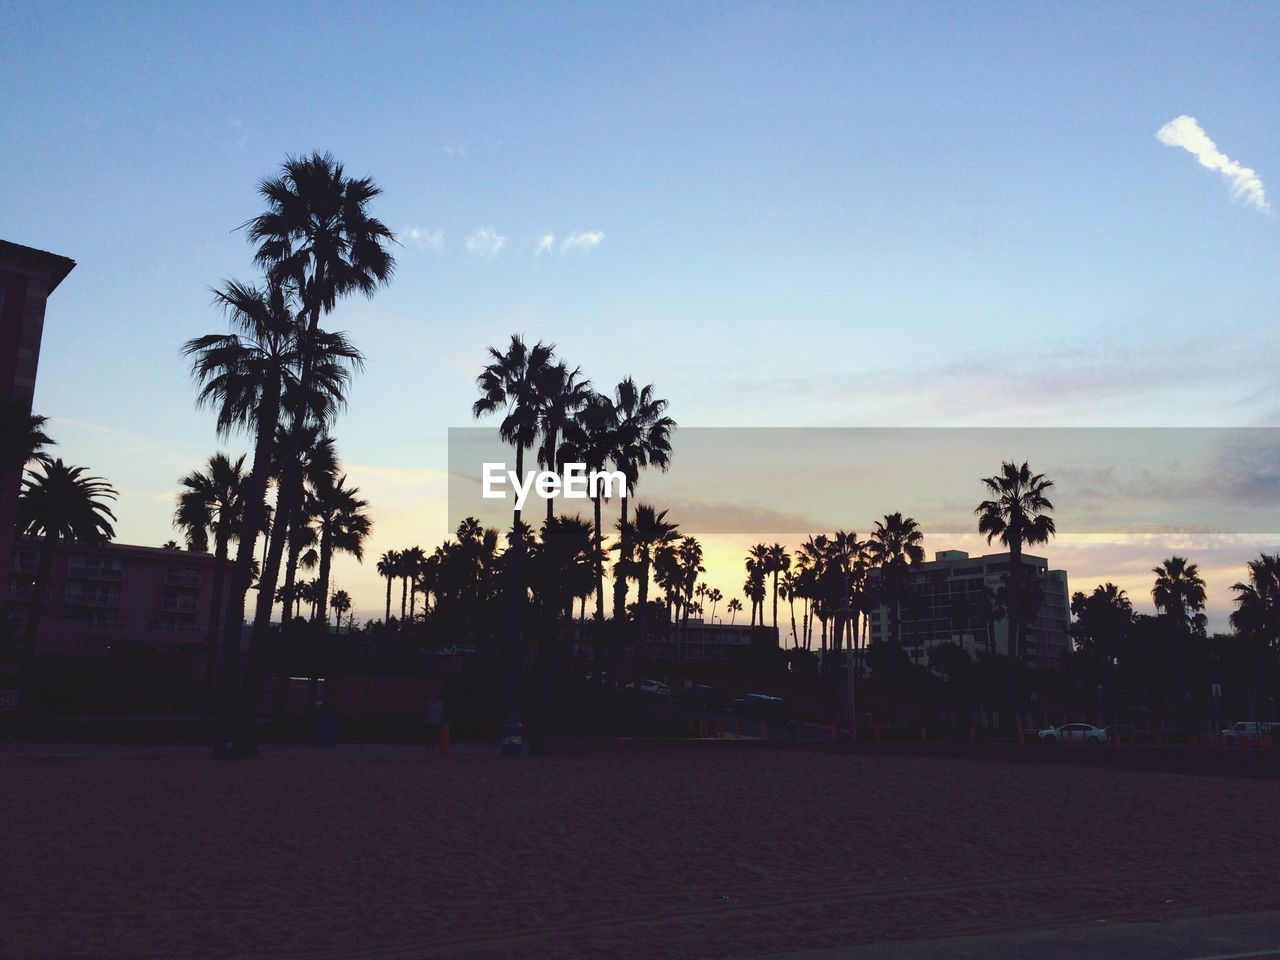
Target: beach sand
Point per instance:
(385, 852)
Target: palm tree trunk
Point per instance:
(404, 596)
(242, 574)
(387, 618)
(620, 592)
(215, 608)
(322, 578)
(795, 639)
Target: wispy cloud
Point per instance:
(545, 243)
(485, 242)
(1245, 183)
(586, 240)
(430, 241)
(454, 149)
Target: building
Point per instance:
(948, 600)
(27, 278)
(104, 594)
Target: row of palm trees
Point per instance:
(280, 377)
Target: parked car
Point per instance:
(1074, 733)
(699, 695)
(1249, 730)
(1126, 733)
(762, 706)
(650, 688)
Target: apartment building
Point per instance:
(113, 593)
(949, 599)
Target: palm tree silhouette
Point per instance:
(341, 603)
(212, 501)
(648, 533)
(777, 561)
(59, 503)
(411, 560)
(562, 393)
(316, 238)
(715, 596)
(388, 568)
(896, 544)
(319, 465)
(1257, 614)
(757, 563)
(22, 436)
(342, 526)
(735, 607)
(1018, 514)
(243, 375)
(1179, 594)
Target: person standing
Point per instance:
(433, 717)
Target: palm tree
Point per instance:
(411, 561)
(777, 561)
(1257, 616)
(342, 526)
(896, 543)
(715, 596)
(562, 393)
(22, 436)
(789, 589)
(341, 603)
(319, 465)
(647, 534)
(757, 563)
(59, 503)
(512, 383)
(318, 239)
(640, 437)
(213, 501)
(1018, 514)
(388, 568)
(243, 375)
(1179, 594)
(735, 607)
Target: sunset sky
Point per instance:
(781, 215)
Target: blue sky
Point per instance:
(807, 214)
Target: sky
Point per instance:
(799, 215)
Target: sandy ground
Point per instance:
(388, 853)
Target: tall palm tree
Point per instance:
(212, 501)
(511, 384)
(777, 561)
(789, 589)
(411, 560)
(388, 568)
(757, 563)
(341, 603)
(715, 596)
(650, 532)
(735, 607)
(318, 239)
(59, 503)
(562, 393)
(342, 525)
(1257, 614)
(243, 375)
(896, 544)
(1179, 594)
(640, 437)
(319, 465)
(1017, 513)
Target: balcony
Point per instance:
(94, 570)
(90, 598)
(178, 604)
(182, 577)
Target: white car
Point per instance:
(1248, 731)
(650, 688)
(1074, 733)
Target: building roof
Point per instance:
(56, 264)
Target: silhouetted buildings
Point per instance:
(113, 593)
(956, 598)
(27, 278)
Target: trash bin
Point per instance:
(326, 729)
(512, 739)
